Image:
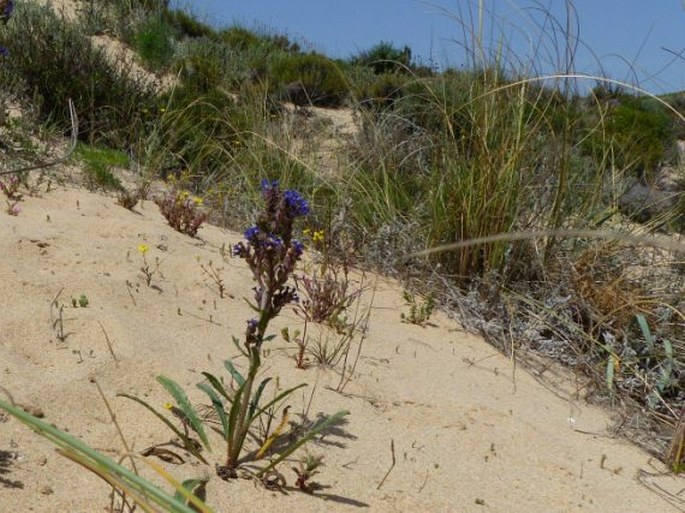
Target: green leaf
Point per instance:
(318, 428)
(666, 367)
(217, 385)
(218, 407)
(646, 332)
(236, 342)
(184, 404)
(280, 396)
(194, 487)
(257, 396)
(189, 445)
(233, 418)
(234, 373)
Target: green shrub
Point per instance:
(203, 64)
(98, 164)
(322, 80)
(154, 42)
(382, 92)
(636, 133)
(186, 25)
(57, 62)
(384, 58)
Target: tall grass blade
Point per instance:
(106, 468)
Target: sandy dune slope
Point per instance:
(469, 433)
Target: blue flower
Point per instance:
(298, 247)
(268, 185)
(297, 205)
(273, 242)
(251, 234)
(4, 52)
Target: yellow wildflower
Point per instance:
(143, 248)
(198, 201)
(318, 236)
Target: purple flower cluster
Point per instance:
(6, 9)
(272, 254)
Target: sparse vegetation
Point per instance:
(497, 192)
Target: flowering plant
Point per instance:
(181, 210)
(272, 253)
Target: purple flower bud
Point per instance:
(298, 248)
(251, 234)
(239, 250)
(269, 185)
(296, 204)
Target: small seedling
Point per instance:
(301, 342)
(58, 320)
(216, 275)
(305, 470)
(82, 301)
(419, 311)
(147, 269)
(10, 187)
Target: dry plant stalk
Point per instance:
(676, 453)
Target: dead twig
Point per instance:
(392, 450)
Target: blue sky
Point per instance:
(628, 37)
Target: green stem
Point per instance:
(243, 424)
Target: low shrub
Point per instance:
(320, 80)
(57, 62)
(182, 211)
(384, 58)
(154, 42)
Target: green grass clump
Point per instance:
(154, 42)
(98, 163)
(322, 80)
(186, 25)
(384, 58)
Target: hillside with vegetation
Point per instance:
(547, 220)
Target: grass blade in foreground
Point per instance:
(106, 468)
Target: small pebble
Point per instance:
(47, 490)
